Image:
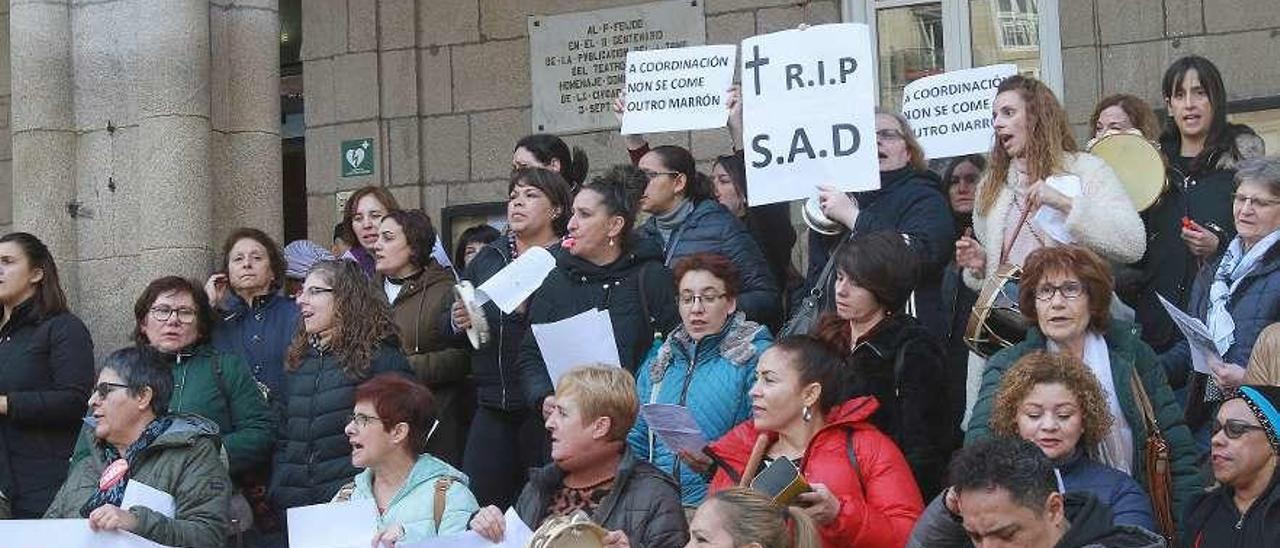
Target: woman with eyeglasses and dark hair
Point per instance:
(707, 364)
(908, 203)
(252, 317)
(506, 437)
(174, 318)
(46, 354)
(604, 265)
(419, 291)
(546, 151)
(418, 496)
(138, 437)
(682, 215)
(1065, 293)
(346, 337)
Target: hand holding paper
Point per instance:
(1197, 335)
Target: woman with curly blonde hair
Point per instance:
(345, 338)
(1055, 402)
(1040, 191)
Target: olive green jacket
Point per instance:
(185, 461)
(219, 387)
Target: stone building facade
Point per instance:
(138, 132)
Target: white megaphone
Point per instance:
(818, 221)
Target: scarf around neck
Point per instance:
(1235, 266)
(668, 223)
(111, 491)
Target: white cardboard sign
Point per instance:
(678, 89)
(808, 112)
(951, 112)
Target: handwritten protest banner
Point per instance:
(678, 89)
(808, 112)
(951, 113)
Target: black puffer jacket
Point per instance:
(493, 365)
(313, 456)
(908, 202)
(644, 503)
(913, 405)
(1214, 521)
(710, 228)
(1202, 192)
(576, 285)
(46, 371)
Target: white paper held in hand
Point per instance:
(66, 533)
(334, 525)
(584, 339)
(137, 493)
(516, 281)
(675, 426)
(1197, 335)
(1050, 219)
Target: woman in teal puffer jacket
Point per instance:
(722, 346)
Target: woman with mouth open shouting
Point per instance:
(1034, 162)
(1065, 295)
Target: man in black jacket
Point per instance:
(1006, 492)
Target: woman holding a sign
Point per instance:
(1039, 191)
(907, 202)
(686, 218)
(506, 437)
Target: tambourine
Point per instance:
(996, 321)
(1137, 163)
(573, 531)
(818, 221)
(478, 333)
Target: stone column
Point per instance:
(245, 160)
(44, 138)
(172, 162)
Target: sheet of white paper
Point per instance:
(675, 426)
(678, 89)
(1051, 220)
(66, 533)
(1197, 336)
(578, 340)
(518, 534)
(516, 281)
(137, 493)
(349, 524)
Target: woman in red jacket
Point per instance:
(863, 491)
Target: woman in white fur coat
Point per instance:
(1039, 191)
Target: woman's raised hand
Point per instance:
(489, 523)
(970, 255)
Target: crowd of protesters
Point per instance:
(314, 373)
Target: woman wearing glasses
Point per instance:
(907, 202)
(47, 358)
(137, 437)
(1237, 294)
(346, 337)
(1066, 294)
(706, 364)
(686, 218)
(418, 496)
(173, 317)
(1244, 509)
(888, 354)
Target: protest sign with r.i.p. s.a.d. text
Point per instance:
(808, 112)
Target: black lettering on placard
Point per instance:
(793, 74)
(800, 143)
(855, 139)
(847, 66)
(758, 146)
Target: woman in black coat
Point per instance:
(346, 337)
(907, 202)
(602, 265)
(46, 373)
